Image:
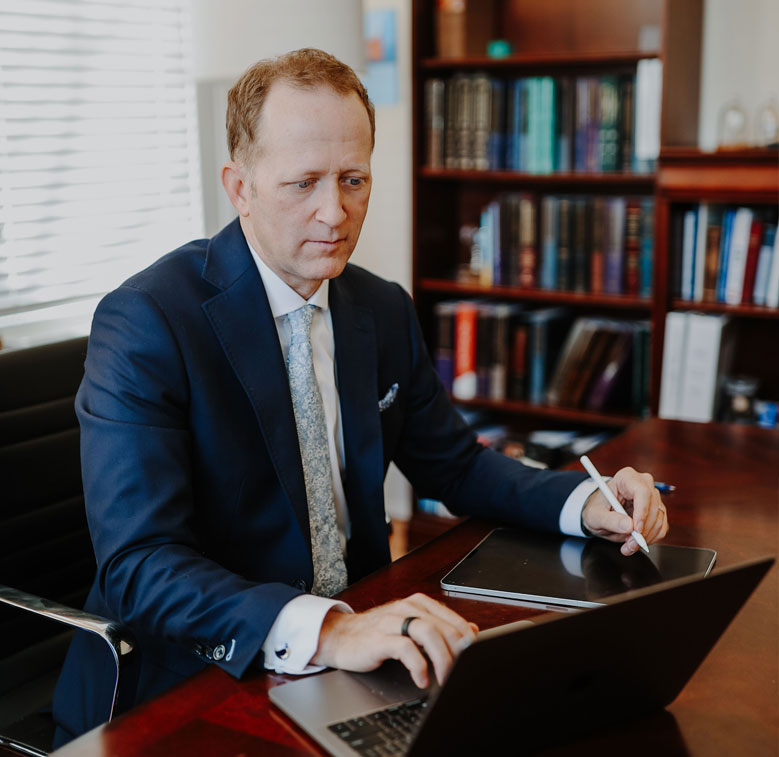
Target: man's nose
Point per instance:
(331, 207)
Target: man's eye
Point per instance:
(354, 181)
(304, 184)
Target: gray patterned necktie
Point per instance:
(329, 568)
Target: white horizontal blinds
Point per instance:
(99, 169)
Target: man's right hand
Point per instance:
(362, 641)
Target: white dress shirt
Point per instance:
(294, 636)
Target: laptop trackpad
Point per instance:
(337, 695)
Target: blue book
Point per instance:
(760, 292)
(646, 257)
(546, 331)
(496, 139)
(514, 119)
(549, 226)
(724, 253)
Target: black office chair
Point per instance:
(46, 550)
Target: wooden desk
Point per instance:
(727, 499)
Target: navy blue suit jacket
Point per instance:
(192, 475)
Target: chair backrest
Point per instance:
(46, 548)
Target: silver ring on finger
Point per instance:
(406, 624)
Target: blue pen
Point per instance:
(665, 488)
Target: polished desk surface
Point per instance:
(727, 499)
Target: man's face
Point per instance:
(306, 189)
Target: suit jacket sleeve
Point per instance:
(138, 472)
(441, 457)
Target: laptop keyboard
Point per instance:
(388, 731)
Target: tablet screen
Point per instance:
(566, 570)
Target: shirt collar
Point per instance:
(283, 298)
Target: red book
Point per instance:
(750, 268)
(465, 318)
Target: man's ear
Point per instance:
(236, 186)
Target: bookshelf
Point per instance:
(567, 38)
(739, 177)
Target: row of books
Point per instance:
(587, 244)
(545, 124)
(501, 351)
(727, 254)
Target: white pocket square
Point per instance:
(388, 398)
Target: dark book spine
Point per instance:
(597, 235)
(711, 261)
(750, 268)
(444, 351)
(483, 350)
(564, 277)
(580, 258)
(626, 89)
(496, 147)
(608, 117)
(564, 124)
(518, 372)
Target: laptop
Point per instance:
(565, 570)
(531, 683)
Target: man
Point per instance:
(242, 400)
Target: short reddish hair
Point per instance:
(306, 68)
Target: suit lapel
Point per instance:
(242, 320)
(356, 370)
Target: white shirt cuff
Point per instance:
(294, 636)
(571, 514)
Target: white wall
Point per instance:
(740, 60)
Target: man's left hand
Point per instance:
(637, 494)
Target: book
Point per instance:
(484, 344)
(674, 350)
(527, 242)
(646, 259)
(564, 258)
(597, 242)
(724, 254)
(708, 356)
(496, 142)
(737, 257)
(750, 267)
(549, 229)
(648, 89)
(581, 272)
(502, 315)
(443, 313)
(517, 388)
(450, 120)
(626, 125)
(608, 123)
(711, 254)
(434, 122)
(614, 245)
(591, 364)
(688, 254)
(546, 329)
(572, 353)
(547, 127)
(699, 255)
(618, 360)
(772, 286)
(632, 245)
(464, 121)
(482, 111)
(764, 265)
(464, 382)
(639, 405)
(564, 124)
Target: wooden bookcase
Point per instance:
(567, 37)
(734, 177)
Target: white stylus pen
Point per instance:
(609, 495)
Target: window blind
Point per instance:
(99, 166)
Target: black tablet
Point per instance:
(567, 571)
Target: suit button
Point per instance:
(301, 584)
(219, 652)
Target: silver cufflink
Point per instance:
(283, 653)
